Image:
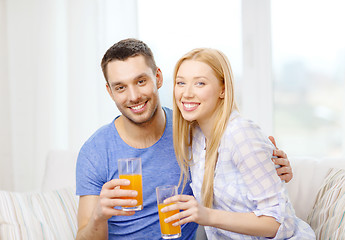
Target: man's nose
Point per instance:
(134, 93)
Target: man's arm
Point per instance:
(94, 211)
(285, 171)
(88, 226)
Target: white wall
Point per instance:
(257, 87)
(6, 168)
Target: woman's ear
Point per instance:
(222, 93)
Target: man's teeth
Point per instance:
(138, 106)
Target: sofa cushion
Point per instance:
(327, 215)
(59, 170)
(308, 175)
(38, 215)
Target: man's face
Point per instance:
(134, 88)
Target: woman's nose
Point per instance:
(188, 90)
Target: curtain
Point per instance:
(52, 91)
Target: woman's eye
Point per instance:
(180, 83)
(200, 83)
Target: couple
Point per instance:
(237, 192)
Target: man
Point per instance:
(144, 129)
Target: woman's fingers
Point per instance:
(178, 198)
(192, 211)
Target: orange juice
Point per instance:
(168, 228)
(136, 184)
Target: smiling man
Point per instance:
(144, 129)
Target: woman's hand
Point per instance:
(192, 210)
(285, 171)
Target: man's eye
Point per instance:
(141, 81)
(119, 88)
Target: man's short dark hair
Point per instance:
(125, 49)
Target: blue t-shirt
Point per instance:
(97, 164)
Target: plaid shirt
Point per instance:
(246, 180)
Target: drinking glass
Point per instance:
(167, 229)
(130, 168)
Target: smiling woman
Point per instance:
(195, 88)
(216, 146)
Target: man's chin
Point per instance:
(140, 119)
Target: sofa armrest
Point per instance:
(38, 215)
(308, 176)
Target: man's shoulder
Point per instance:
(102, 134)
(168, 111)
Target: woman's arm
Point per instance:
(243, 223)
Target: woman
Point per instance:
(239, 195)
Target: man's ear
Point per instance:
(159, 78)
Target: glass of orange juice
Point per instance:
(167, 229)
(130, 168)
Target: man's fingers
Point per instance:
(116, 182)
(117, 212)
(286, 177)
(282, 162)
(284, 170)
(279, 153)
(117, 193)
(271, 138)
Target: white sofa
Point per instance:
(51, 213)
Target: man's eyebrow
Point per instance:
(141, 75)
(113, 84)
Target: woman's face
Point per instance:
(197, 91)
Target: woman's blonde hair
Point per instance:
(183, 129)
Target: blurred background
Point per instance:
(288, 58)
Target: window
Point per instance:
(172, 28)
(308, 48)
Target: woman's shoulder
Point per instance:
(240, 130)
(238, 124)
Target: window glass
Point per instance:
(172, 28)
(309, 76)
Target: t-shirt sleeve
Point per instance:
(90, 172)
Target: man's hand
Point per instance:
(112, 196)
(94, 211)
(285, 171)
